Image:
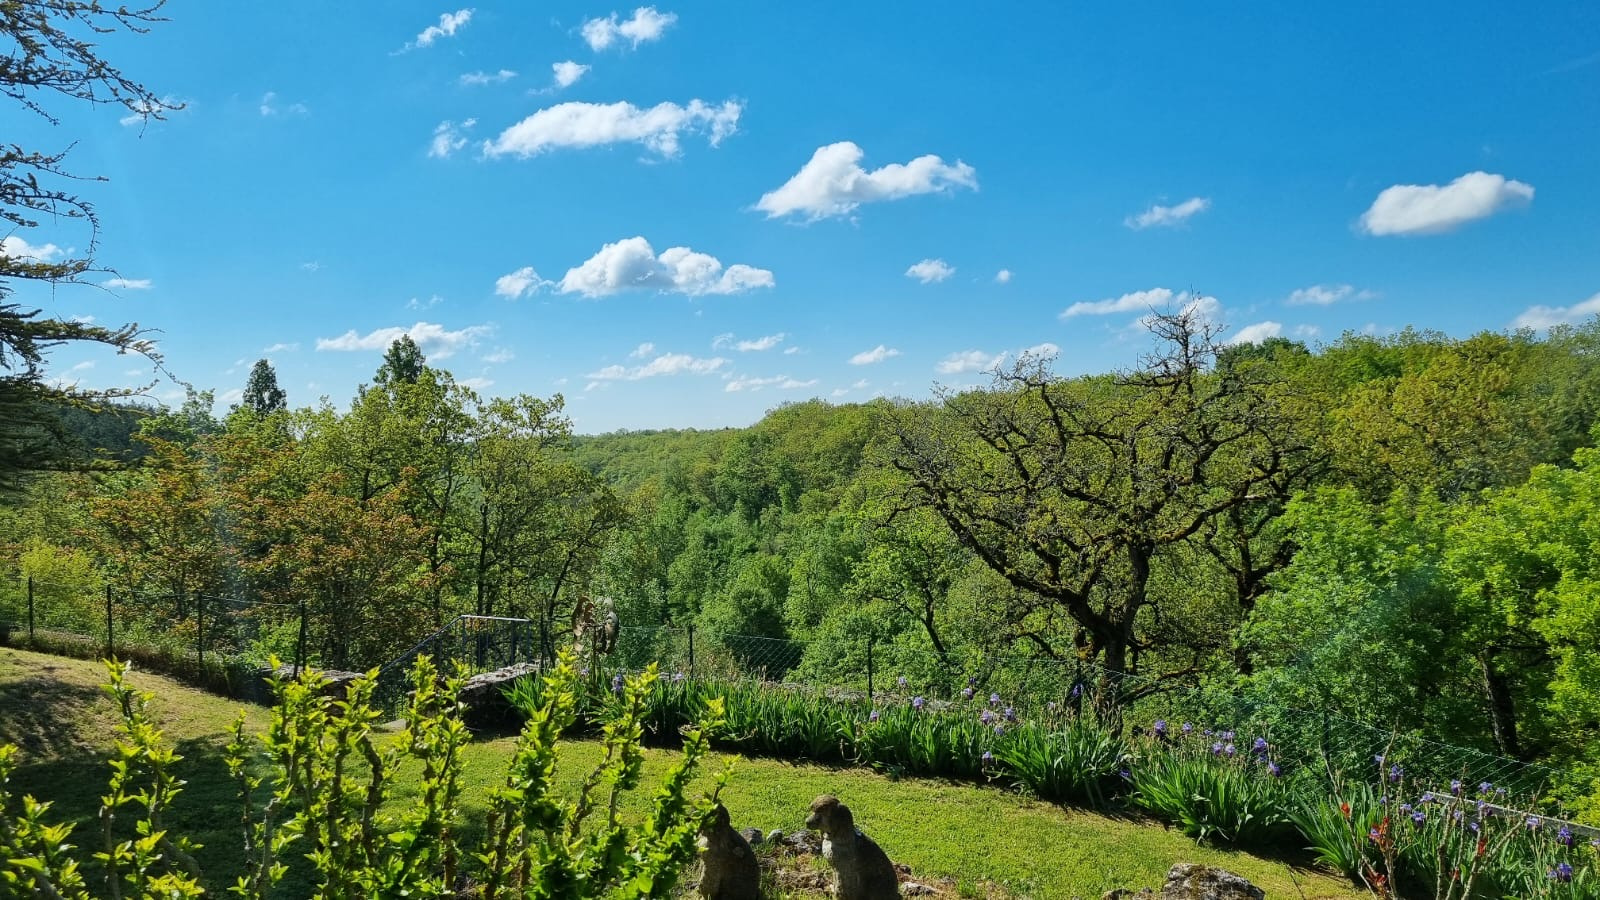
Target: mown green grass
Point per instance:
(54, 709)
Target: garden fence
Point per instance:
(203, 633)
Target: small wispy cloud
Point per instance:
(1166, 216)
(1002, 277)
(128, 284)
(876, 355)
(476, 79)
(271, 106)
(448, 138)
(1325, 295)
(449, 24)
(1137, 301)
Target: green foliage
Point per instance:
(1077, 763)
(316, 791)
(1231, 799)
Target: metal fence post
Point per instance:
(200, 634)
(111, 639)
(869, 668)
(691, 649)
(30, 609)
(300, 645)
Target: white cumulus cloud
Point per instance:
(833, 183)
(658, 128)
(447, 138)
(727, 339)
(128, 284)
(644, 26)
(17, 248)
(632, 264)
(1159, 215)
(970, 361)
(665, 364)
(567, 73)
(1431, 209)
(520, 283)
(449, 24)
(1138, 301)
(1002, 277)
(643, 350)
(1255, 334)
(876, 355)
(753, 384)
(930, 270)
(433, 339)
(1547, 316)
(1325, 294)
(471, 79)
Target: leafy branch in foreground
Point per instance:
(332, 809)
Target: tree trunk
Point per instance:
(1502, 708)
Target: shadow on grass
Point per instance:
(207, 812)
(44, 716)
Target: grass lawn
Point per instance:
(54, 710)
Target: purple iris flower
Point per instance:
(1161, 728)
(1229, 750)
(1010, 714)
(1418, 817)
(1188, 728)
(1455, 787)
(872, 716)
(1564, 837)
(917, 703)
(1216, 749)
(1259, 745)
(999, 731)
(987, 757)
(1396, 773)
(1533, 823)
(616, 683)
(1273, 769)
(1562, 872)
(986, 717)
(966, 693)
(1485, 787)
(901, 681)
(994, 699)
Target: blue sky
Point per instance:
(684, 215)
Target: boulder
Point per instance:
(483, 696)
(1191, 881)
(751, 835)
(334, 681)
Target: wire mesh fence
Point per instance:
(1311, 744)
(220, 642)
(198, 634)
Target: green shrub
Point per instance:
(317, 787)
(1079, 763)
(1228, 799)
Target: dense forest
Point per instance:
(1399, 529)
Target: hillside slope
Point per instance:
(53, 709)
